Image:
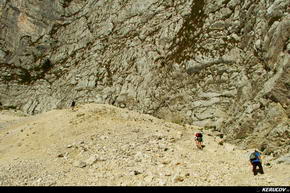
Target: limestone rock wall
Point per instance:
(222, 64)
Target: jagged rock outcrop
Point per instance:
(222, 64)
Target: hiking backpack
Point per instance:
(253, 156)
(198, 135)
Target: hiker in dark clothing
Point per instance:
(255, 160)
(73, 104)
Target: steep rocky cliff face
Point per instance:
(222, 64)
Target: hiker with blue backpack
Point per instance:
(255, 160)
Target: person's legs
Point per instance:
(254, 168)
(200, 143)
(261, 171)
(197, 144)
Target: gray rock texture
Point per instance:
(222, 64)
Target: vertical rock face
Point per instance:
(215, 63)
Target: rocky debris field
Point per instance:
(105, 145)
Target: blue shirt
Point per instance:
(257, 159)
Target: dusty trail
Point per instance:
(105, 145)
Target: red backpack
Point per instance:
(198, 135)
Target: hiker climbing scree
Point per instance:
(255, 160)
(199, 140)
(73, 104)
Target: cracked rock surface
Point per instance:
(220, 64)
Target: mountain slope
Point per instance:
(222, 64)
(104, 145)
